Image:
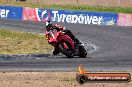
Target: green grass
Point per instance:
(12, 42)
(72, 7)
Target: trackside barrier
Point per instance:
(124, 19)
(38, 14)
(30, 14)
(11, 12)
(98, 18)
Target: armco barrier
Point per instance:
(99, 18)
(124, 19)
(11, 12)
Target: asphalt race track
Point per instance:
(109, 49)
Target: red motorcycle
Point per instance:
(64, 44)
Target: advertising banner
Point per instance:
(38, 14)
(29, 14)
(124, 19)
(11, 12)
(97, 18)
(84, 17)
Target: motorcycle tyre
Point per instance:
(64, 51)
(82, 52)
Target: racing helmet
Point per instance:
(48, 25)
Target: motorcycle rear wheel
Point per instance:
(82, 52)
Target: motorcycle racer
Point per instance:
(50, 27)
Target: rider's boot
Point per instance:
(55, 51)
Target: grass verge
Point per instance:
(71, 7)
(12, 42)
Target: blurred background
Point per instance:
(115, 3)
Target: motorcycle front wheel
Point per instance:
(68, 52)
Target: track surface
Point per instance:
(113, 48)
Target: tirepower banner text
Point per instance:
(11, 12)
(97, 18)
(79, 17)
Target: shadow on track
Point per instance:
(64, 57)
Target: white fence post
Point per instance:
(119, 3)
(77, 4)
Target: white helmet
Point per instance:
(48, 24)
